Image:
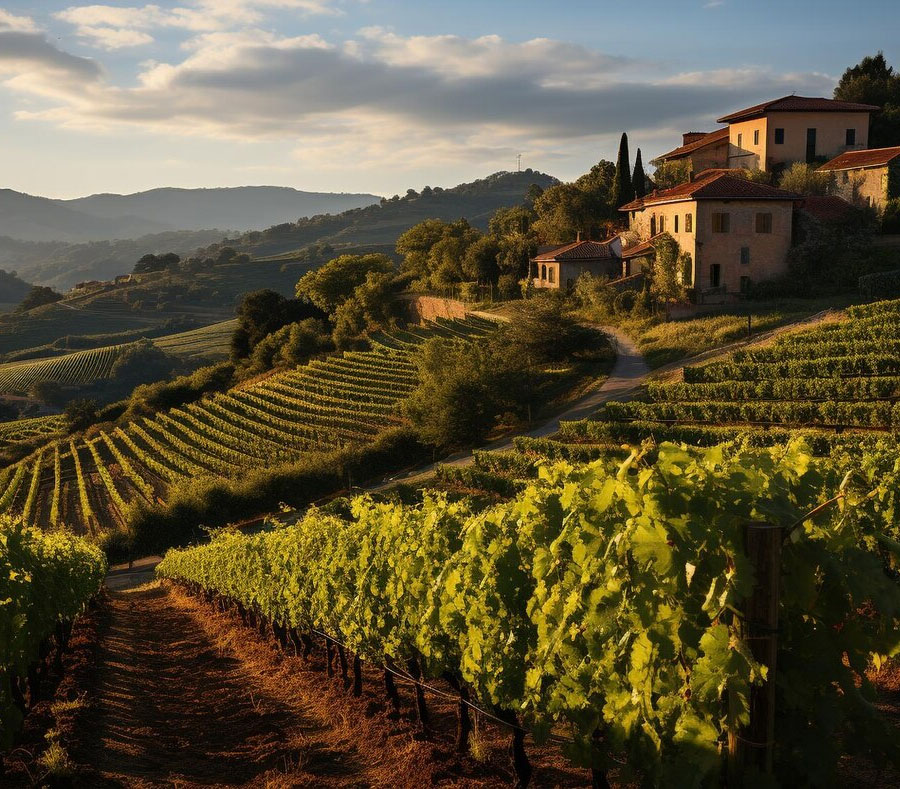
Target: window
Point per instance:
(764, 223)
(846, 177)
(756, 136)
(851, 136)
(676, 223)
(715, 275)
(810, 145)
(688, 223)
(721, 222)
(662, 225)
(544, 272)
(745, 256)
(740, 142)
(551, 275)
(745, 284)
(653, 225)
(779, 136)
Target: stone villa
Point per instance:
(868, 178)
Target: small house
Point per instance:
(559, 266)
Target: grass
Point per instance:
(671, 341)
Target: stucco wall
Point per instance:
(831, 137)
(768, 251)
(745, 153)
(709, 156)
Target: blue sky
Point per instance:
(381, 95)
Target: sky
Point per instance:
(383, 95)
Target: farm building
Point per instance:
(736, 231)
(559, 266)
(703, 150)
(868, 178)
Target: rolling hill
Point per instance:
(112, 216)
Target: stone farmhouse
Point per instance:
(868, 178)
(736, 231)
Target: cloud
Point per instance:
(114, 27)
(19, 24)
(408, 101)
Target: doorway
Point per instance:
(810, 145)
(715, 275)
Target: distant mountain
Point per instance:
(378, 226)
(107, 217)
(240, 208)
(30, 218)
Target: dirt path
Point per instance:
(176, 706)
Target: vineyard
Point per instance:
(96, 364)
(601, 608)
(88, 484)
(45, 582)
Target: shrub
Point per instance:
(468, 291)
(508, 287)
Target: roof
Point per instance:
(639, 250)
(578, 250)
(851, 160)
(713, 185)
(796, 104)
(719, 135)
(828, 208)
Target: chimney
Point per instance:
(688, 137)
(578, 236)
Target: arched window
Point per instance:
(551, 275)
(543, 272)
(653, 225)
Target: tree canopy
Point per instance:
(873, 81)
(38, 296)
(264, 311)
(622, 190)
(331, 285)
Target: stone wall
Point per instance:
(427, 308)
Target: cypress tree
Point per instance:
(638, 180)
(623, 190)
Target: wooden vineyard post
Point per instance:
(753, 747)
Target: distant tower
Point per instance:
(518, 162)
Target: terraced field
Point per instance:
(26, 429)
(96, 364)
(324, 405)
(837, 386)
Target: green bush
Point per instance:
(882, 283)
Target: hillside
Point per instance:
(325, 405)
(109, 216)
(61, 265)
(241, 208)
(378, 226)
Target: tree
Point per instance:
(149, 263)
(638, 179)
(459, 395)
(873, 81)
(564, 210)
(480, 262)
(264, 311)
(330, 285)
(669, 174)
(805, 179)
(141, 362)
(415, 246)
(600, 179)
(372, 306)
(37, 297)
(80, 414)
(623, 189)
(291, 345)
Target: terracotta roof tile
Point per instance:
(713, 185)
(640, 249)
(719, 135)
(796, 104)
(578, 250)
(874, 157)
(827, 208)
